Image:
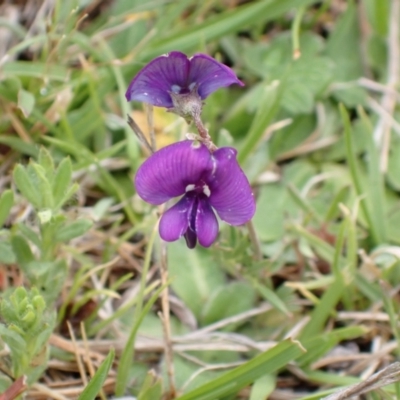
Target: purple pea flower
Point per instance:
(208, 181)
(180, 83)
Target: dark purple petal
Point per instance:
(231, 194)
(175, 221)
(210, 75)
(169, 171)
(206, 222)
(190, 238)
(162, 75)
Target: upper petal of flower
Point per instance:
(210, 75)
(167, 73)
(169, 171)
(206, 222)
(175, 221)
(231, 194)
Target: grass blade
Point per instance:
(94, 386)
(231, 382)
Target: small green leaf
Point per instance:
(263, 387)
(228, 300)
(29, 234)
(22, 250)
(62, 180)
(94, 386)
(7, 255)
(44, 186)
(46, 162)
(73, 230)
(12, 338)
(6, 202)
(9, 88)
(195, 275)
(357, 176)
(19, 145)
(27, 186)
(26, 102)
(151, 388)
(298, 98)
(270, 296)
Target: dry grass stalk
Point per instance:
(388, 375)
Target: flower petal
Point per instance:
(168, 172)
(206, 222)
(231, 194)
(210, 75)
(175, 221)
(191, 238)
(161, 76)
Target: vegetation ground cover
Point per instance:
(303, 304)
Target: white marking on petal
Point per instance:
(192, 85)
(190, 187)
(206, 190)
(176, 89)
(145, 94)
(214, 163)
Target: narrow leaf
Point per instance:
(62, 180)
(6, 202)
(355, 172)
(27, 186)
(74, 229)
(22, 250)
(94, 386)
(268, 107)
(46, 161)
(233, 381)
(44, 186)
(26, 102)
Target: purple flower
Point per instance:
(206, 180)
(175, 74)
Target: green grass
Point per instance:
(315, 313)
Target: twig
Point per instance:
(16, 388)
(384, 377)
(384, 114)
(77, 355)
(382, 129)
(377, 87)
(88, 360)
(49, 393)
(139, 134)
(150, 124)
(230, 320)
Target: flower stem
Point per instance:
(254, 240)
(203, 133)
(165, 318)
